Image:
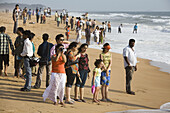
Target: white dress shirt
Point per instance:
(27, 49)
(131, 56)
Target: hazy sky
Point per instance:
(101, 5)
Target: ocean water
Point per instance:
(152, 39)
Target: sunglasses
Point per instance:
(61, 39)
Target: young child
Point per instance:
(96, 78)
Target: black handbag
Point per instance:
(33, 61)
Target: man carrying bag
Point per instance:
(45, 61)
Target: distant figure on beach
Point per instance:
(58, 21)
(61, 17)
(79, 31)
(72, 22)
(5, 41)
(29, 14)
(68, 32)
(135, 28)
(56, 15)
(120, 28)
(96, 35)
(16, 12)
(109, 27)
(45, 61)
(88, 34)
(27, 53)
(130, 64)
(24, 14)
(104, 29)
(93, 24)
(106, 57)
(38, 15)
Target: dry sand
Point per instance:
(152, 87)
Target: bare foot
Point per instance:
(95, 101)
(62, 104)
(5, 74)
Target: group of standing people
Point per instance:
(65, 62)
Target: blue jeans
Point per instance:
(28, 73)
(83, 76)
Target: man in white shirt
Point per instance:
(27, 53)
(130, 62)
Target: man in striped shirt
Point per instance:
(5, 41)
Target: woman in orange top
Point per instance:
(58, 77)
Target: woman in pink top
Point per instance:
(58, 77)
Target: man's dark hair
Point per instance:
(16, 5)
(27, 32)
(58, 37)
(45, 36)
(20, 29)
(2, 29)
(97, 62)
(131, 40)
(31, 36)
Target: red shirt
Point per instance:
(58, 66)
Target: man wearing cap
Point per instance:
(130, 62)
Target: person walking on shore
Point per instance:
(130, 64)
(45, 61)
(5, 40)
(109, 27)
(88, 34)
(135, 28)
(58, 77)
(16, 12)
(120, 28)
(27, 53)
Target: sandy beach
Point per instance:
(152, 86)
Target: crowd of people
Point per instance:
(64, 61)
